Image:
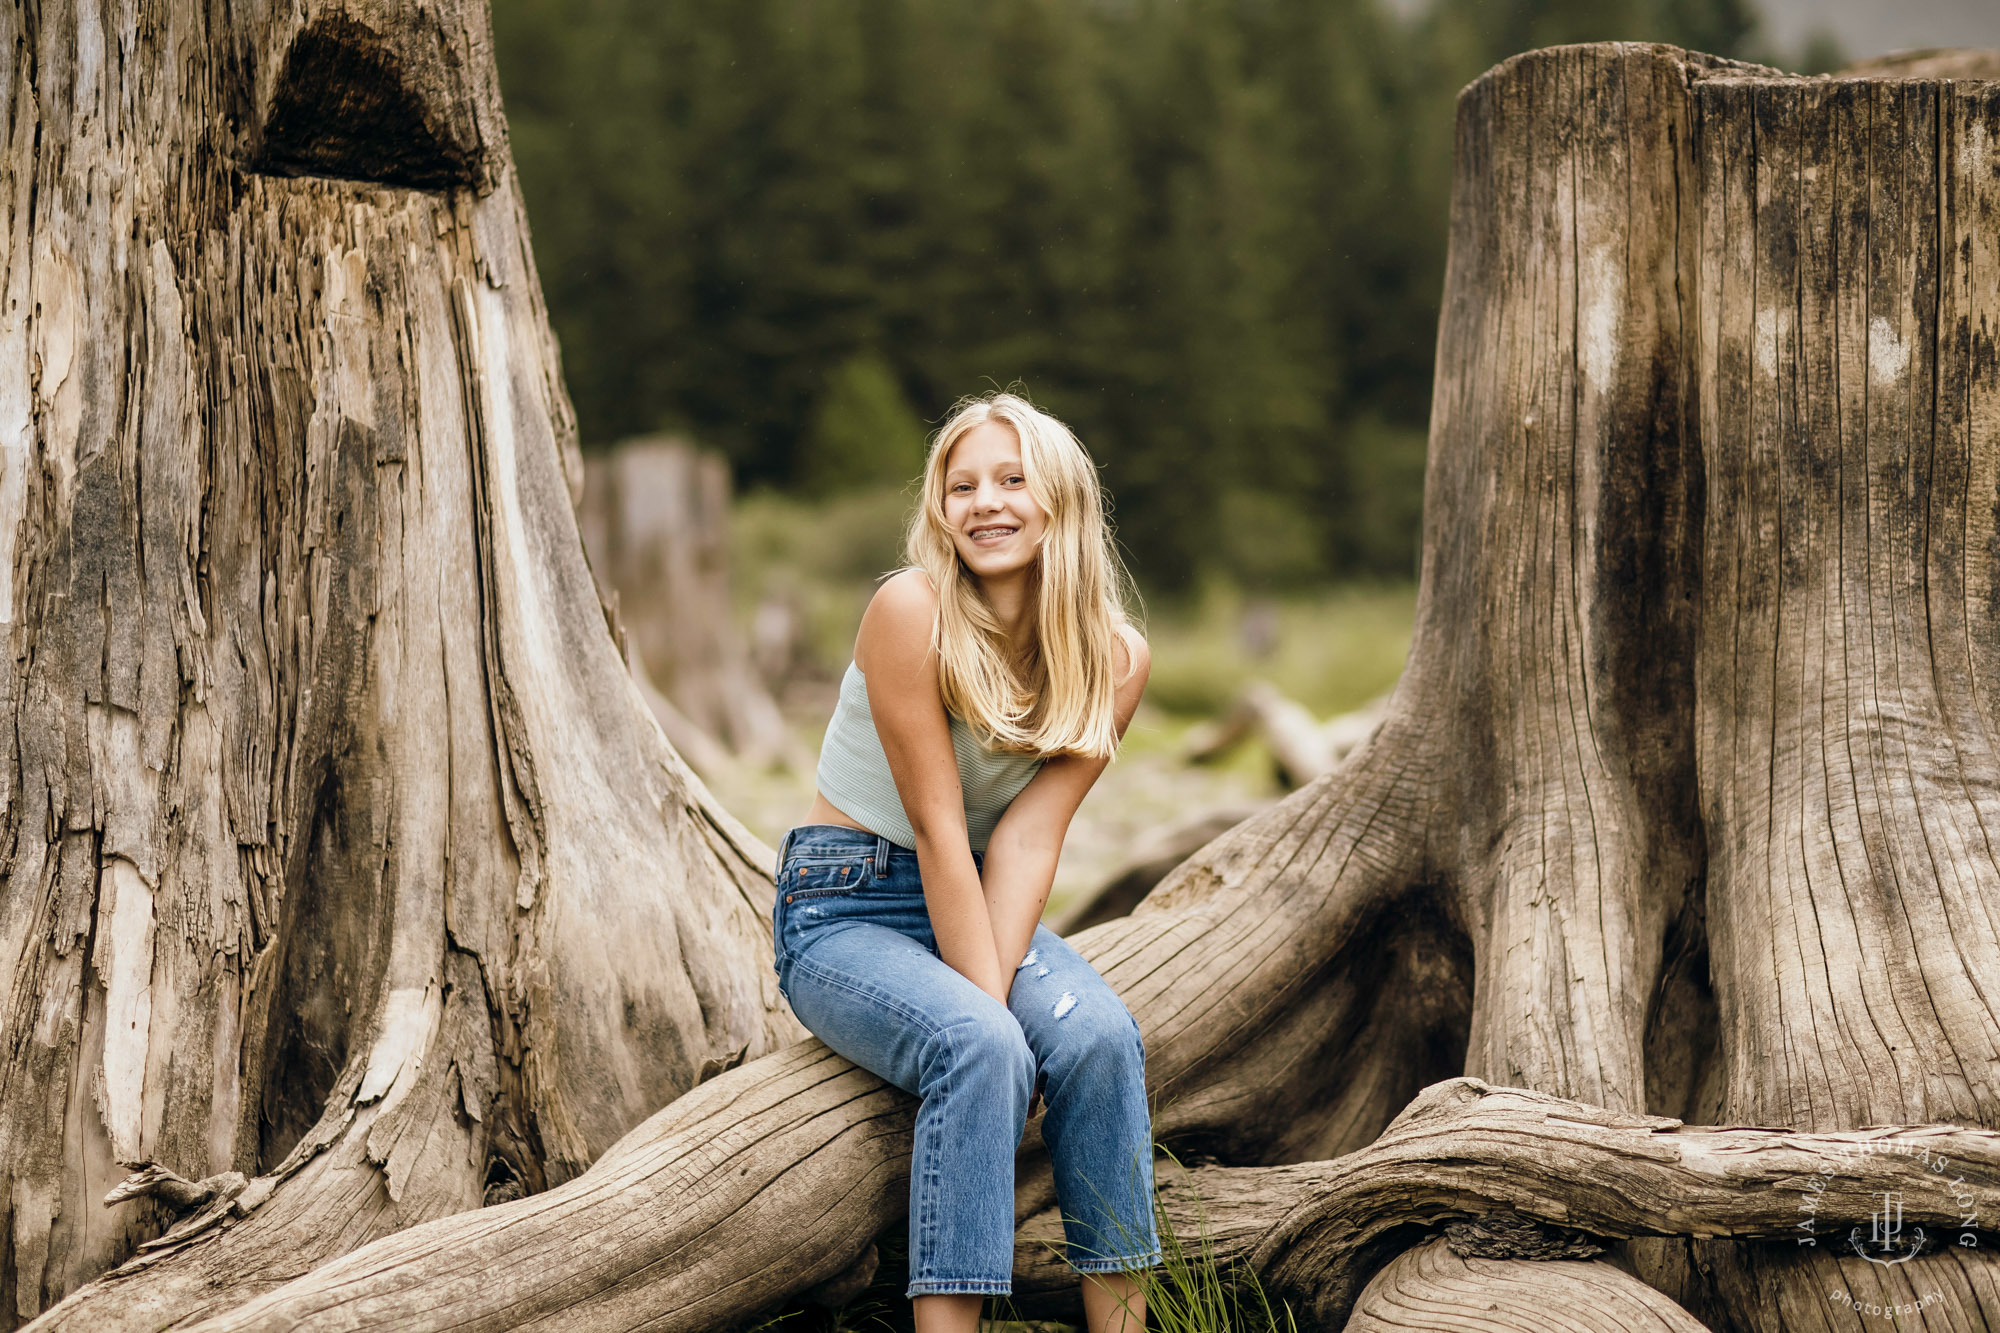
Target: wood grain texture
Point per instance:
(1846, 726)
(1316, 1232)
(776, 1176)
(1431, 1288)
(1560, 502)
(338, 850)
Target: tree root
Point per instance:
(1315, 1233)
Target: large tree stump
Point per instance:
(1679, 807)
(339, 850)
(1850, 403)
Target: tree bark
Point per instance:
(339, 850)
(1153, 857)
(1851, 405)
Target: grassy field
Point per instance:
(1333, 649)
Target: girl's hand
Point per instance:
(1026, 844)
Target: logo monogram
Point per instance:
(1885, 1232)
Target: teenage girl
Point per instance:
(991, 682)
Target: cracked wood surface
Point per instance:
(1316, 1232)
(338, 851)
(1431, 1288)
(776, 1176)
(1850, 410)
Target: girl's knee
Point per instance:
(1102, 1038)
(1118, 1042)
(991, 1049)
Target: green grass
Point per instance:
(1333, 648)
(1191, 1292)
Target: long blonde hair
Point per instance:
(1061, 697)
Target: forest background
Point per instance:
(1207, 233)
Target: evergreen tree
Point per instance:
(1207, 233)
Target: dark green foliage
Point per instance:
(1719, 27)
(1207, 233)
(864, 432)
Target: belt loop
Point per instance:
(784, 848)
(881, 856)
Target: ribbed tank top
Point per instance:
(854, 772)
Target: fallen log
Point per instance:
(1432, 1287)
(1316, 1233)
(1946, 63)
(1303, 746)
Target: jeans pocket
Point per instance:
(804, 877)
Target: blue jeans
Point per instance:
(858, 962)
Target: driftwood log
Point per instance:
(1464, 1150)
(1153, 857)
(1302, 746)
(1679, 809)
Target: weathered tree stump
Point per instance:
(1679, 808)
(340, 852)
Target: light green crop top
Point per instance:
(854, 772)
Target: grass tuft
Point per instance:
(1193, 1292)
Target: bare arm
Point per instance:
(1021, 856)
(894, 653)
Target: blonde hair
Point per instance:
(1061, 698)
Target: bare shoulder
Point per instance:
(1133, 658)
(896, 629)
(1132, 661)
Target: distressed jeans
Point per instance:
(858, 962)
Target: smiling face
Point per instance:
(995, 523)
